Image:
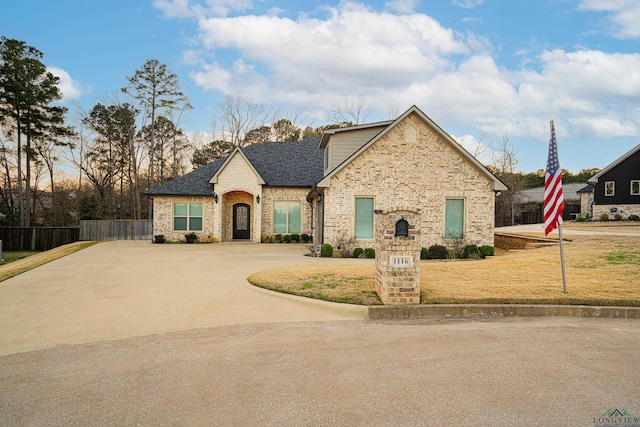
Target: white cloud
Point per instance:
(467, 4)
(402, 6)
(477, 148)
(311, 62)
(69, 88)
(623, 15)
(344, 53)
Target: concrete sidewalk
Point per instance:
(125, 289)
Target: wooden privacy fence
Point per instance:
(117, 229)
(37, 238)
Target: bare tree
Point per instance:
(354, 110)
(394, 111)
(504, 166)
(239, 115)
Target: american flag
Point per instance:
(553, 198)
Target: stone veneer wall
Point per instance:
(412, 166)
(163, 217)
(284, 194)
(585, 204)
(237, 176)
(624, 210)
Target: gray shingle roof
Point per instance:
(280, 164)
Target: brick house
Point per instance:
(616, 188)
(333, 185)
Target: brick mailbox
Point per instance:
(397, 245)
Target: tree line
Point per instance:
(98, 164)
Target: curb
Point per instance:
(498, 310)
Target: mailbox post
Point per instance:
(397, 244)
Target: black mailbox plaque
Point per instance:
(402, 227)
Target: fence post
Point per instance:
(1, 259)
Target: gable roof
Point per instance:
(236, 152)
(498, 185)
(594, 179)
(326, 135)
(279, 164)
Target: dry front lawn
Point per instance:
(601, 270)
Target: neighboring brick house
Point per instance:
(333, 185)
(617, 187)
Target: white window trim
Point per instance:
(273, 216)
(631, 187)
(613, 188)
(464, 216)
(173, 216)
(374, 218)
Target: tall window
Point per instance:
(286, 217)
(635, 187)
(187, 216)
(454, 219)
(364, 218)
(609, 188)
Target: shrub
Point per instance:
(191, 237)
(159, 238)
(286, 238)
(277, 238)
(369, 252)
(344, 245)
(634, 218)
(580, 219)
(326, 250)
(304, 238)
(617, 217)
(604, 217)
(295, 237)
(470, 251)
(424, 253)
(357, 252)
(437, 252)
(486, 250)
(267, 239)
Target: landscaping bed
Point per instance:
(601, 270)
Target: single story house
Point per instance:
(529, 208)
(586, 201)
(617, 187)
(331, 187)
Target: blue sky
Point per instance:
(479, 68)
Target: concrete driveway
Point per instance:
(129, 333)
(131, 288)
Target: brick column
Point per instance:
(397, 257)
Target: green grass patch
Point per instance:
(11, 256)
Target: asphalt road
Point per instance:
(128, 333)
(507, 372)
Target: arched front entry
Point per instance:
(241, 221)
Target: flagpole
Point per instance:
(564, 276)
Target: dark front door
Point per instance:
(241, 221)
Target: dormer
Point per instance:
(340, 143)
